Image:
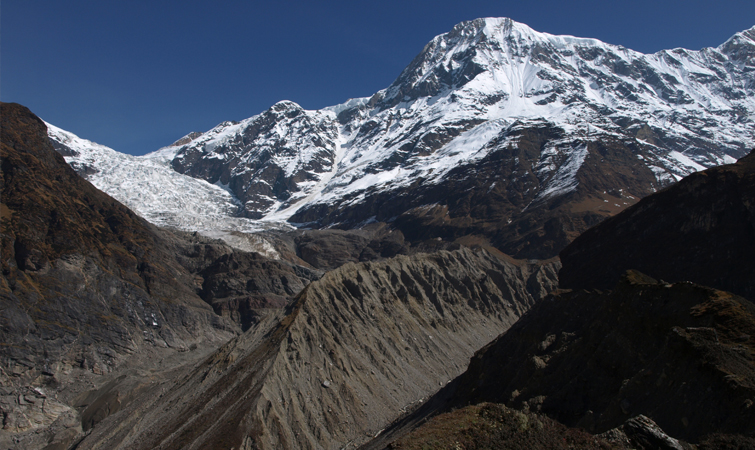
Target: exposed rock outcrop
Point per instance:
(328, 249)
(239, 285)
(356, 350)
(642, 432)
(281, 148)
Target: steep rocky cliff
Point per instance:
(356, 349)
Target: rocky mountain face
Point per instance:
(356, 349)
(239, 285)
(705, 234)
(72, 255)
(265, 158)
(329, 249)
(520, 138)
(89, 289)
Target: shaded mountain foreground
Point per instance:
(702, 229)
(677, 358)
(89, 289)
(681, 354)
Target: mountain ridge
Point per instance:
(464, 98)
(355, 350)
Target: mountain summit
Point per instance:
(494, 129)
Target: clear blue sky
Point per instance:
(137, 75)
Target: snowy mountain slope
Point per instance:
(470, 85)
(491, 112)
(286, 150)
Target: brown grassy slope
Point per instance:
(493, 426)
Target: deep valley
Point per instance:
(525, 241)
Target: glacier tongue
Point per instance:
(151, 188)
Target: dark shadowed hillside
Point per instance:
(682, 354)
(701, 229)
(623, 345)
(84, 279)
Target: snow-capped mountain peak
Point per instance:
(741, 47)
(485, 88)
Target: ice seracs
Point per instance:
(151, 188)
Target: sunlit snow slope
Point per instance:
(151, 188)
(471, 94)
